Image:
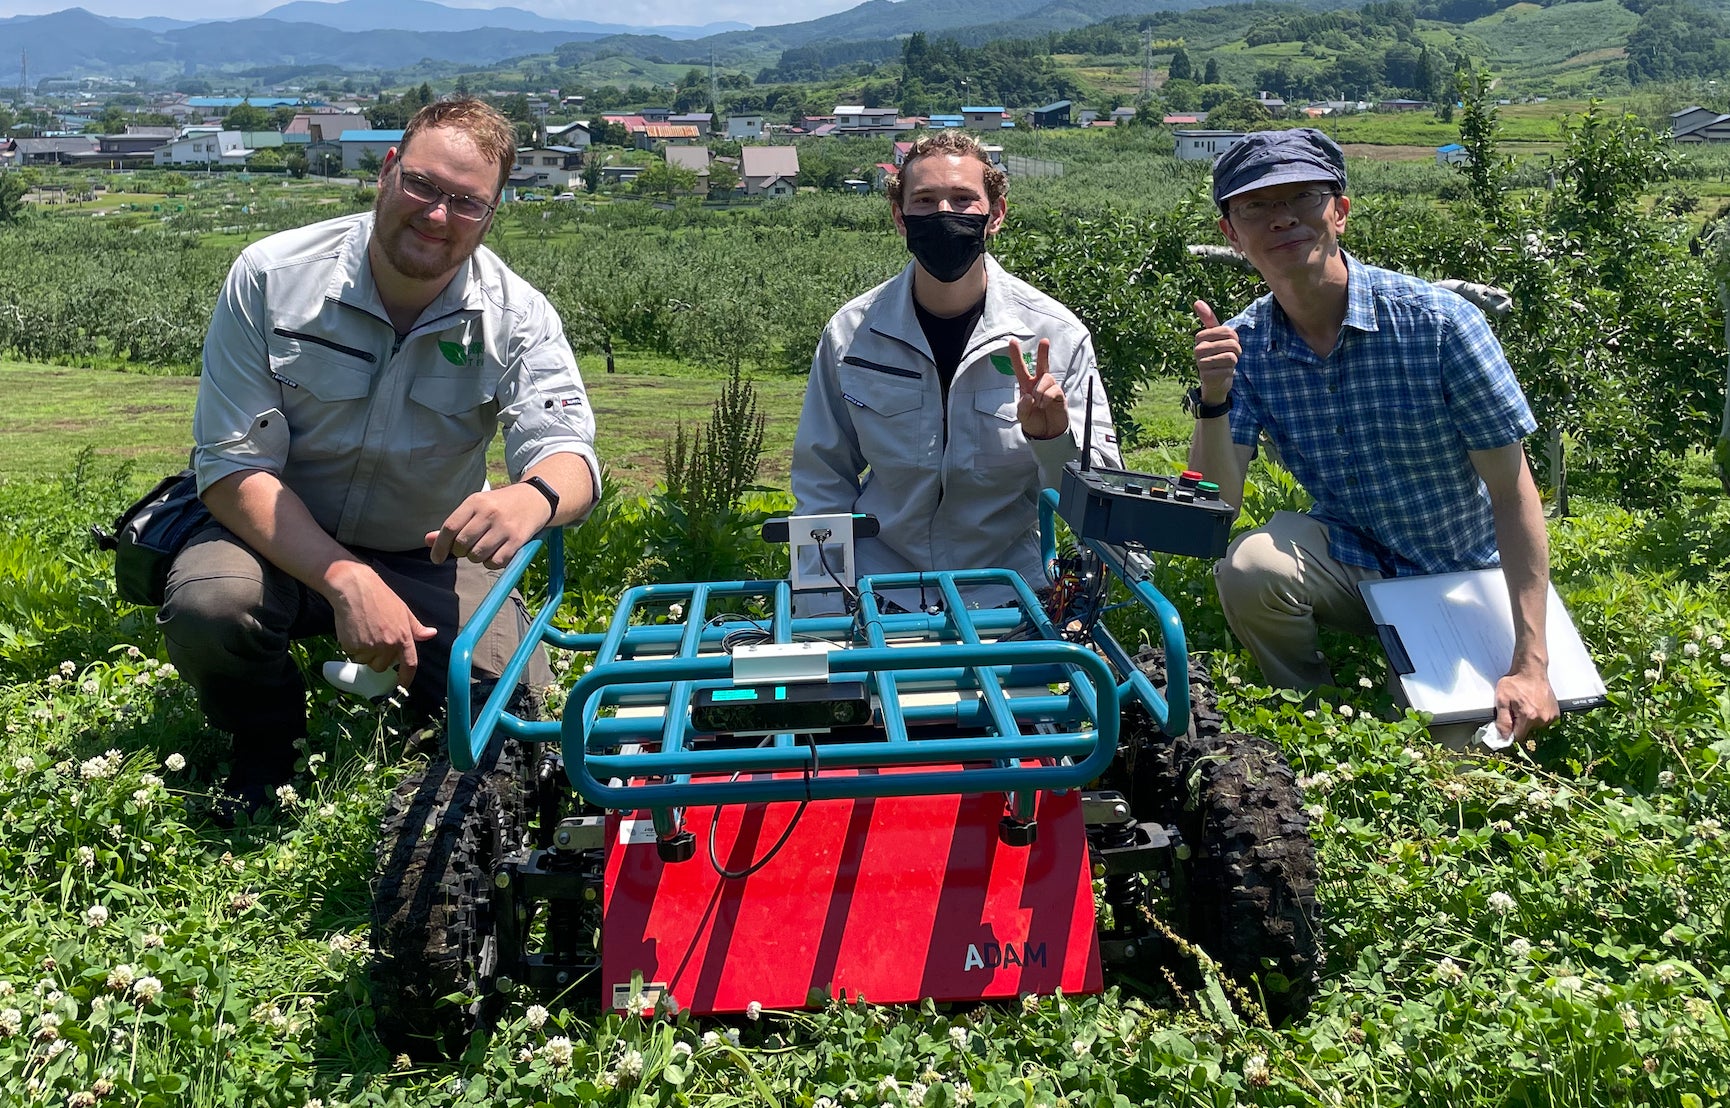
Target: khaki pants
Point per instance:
(1278, 585)
(230, 615)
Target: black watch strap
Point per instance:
(1207, 411)
(540, 484)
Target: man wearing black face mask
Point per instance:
(944, 399)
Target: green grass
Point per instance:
(53, 412)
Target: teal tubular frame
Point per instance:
(626, 734)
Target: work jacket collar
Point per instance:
(1000, 322)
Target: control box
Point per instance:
(1175, 515)
(803, 708)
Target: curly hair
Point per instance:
(960, 144)
(484, 125)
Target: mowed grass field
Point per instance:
(53, 412)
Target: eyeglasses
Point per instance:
(423, 191)
(1305, 203)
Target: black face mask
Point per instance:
(946, 243)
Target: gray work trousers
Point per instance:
(230, 615)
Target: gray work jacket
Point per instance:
(955, 490)
(305, 378)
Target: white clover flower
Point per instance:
(681, 1049)
(95, 769)
(143, 677)
(47, 1027)
(55, 680)
(286, 796)
(1449, 970)
(753, 1011)
(95, 916)
(823, 1102)
(1322, 782)
(1454, 790)
(1667, 972)
(958, 1036)
(87, 857)
(535, 1017)
(1347, 711)
(1366, 683)
(241, 902)
(167, 670)
(67, 669)
(90, 687)
(930, 1076)
(1413, 754)
(888, 1087)
(1030, 1002)
(1310, 713)
(7, 988)
(1569, 983)
(152, 940)
(11, 1023)
(915, 1093)
(1666, 778)
(134, 653)
(525, 1055)
(1255, 1071)
(83, 1098)
(711, 1039)
(147, 989)
(1080, 1047)
(1652, 675)
(24, 764)
(1690, 650)
(676, 610)
(142, 797)
(1660, 657)
(1234, 680)
(630, 1065)
(1724, 659)
(1708, 828)
(315, 1102)
(1630, 1018)
(1500, 903)
(733, 1035)
(120, 978)
(1316, 813)
(559, 1051)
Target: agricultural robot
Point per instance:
(740, 804)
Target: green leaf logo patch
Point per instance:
(1003, 364)
(455, 353)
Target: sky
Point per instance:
(758, 13)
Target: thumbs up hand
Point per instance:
(1216, 353)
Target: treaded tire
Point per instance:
(1250, 882)
(1247, 893)
(432, 912)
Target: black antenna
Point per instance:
(1087, 442)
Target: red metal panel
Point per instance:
(894, 899)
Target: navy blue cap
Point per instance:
(1265, 158)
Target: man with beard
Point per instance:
(943, 400)
(354, 374)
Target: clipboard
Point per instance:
(1450, 636)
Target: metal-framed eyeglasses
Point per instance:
(422, 191)
(1301, 204)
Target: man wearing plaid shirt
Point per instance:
(1391, 403)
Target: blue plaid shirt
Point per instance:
(1378, 431)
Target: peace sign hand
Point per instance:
(1042, 409)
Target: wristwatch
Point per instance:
(540, 484)
(1193, 405)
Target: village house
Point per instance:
(746, 127)
(1695, 124)
(1205, 146)
(769, 170)
(553, 167)
(1054, 114)
(853, 119)
(985, 119)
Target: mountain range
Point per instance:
(389, 34)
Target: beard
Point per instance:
(397, 240)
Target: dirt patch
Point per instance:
(1389, 153)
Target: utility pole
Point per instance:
(1147, 66)
(714, 87)
(23, 77)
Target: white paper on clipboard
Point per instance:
(1450, 637)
